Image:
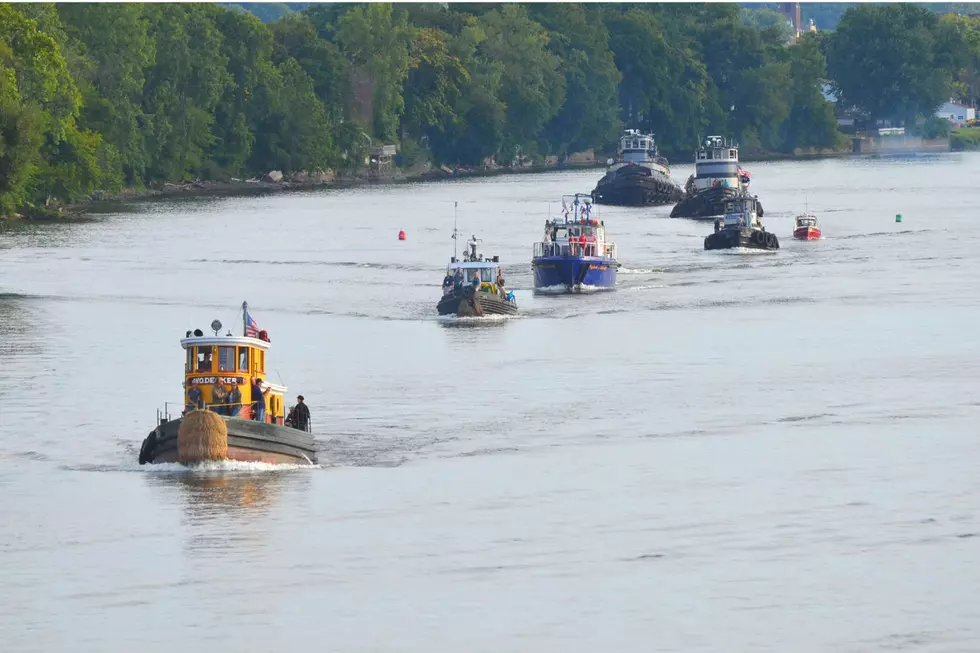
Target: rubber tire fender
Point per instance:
(759, 237)
(771, 240)
(148, 444)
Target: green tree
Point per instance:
(112, 50)
(965, 30)
(296, 36)
(665, 87)
(294, 134)
(21, 134)
(531, 85)
(44, 157)
(247, 46)
(589, 116)
(811, 122)
(377, 39)
(182, 90)
(892, 61)
(767, 19)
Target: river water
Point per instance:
(769, 452)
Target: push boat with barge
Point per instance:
(741, 228)
(574, 254)
(639, 176)
(717, 177)
(213, 365)
(474, 286)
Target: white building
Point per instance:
(956, 113)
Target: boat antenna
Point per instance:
(455, 232)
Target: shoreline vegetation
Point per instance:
(103, 101)
(305, 182)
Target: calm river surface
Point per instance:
(770, 452)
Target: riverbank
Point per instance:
(275, 183)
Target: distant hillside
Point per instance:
(826, 15)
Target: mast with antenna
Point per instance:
(455, 231)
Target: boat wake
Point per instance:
(562, 289)
(214, 466)
(639, 271)
(743, 250)
(225, 466)
(484, 320)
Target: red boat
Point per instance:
(806, 228)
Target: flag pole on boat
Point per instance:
(455, 205)
(244, 317)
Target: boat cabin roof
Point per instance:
(226, 341)
(470, 265)
(740, 204)
(633, 141)
(806, 219)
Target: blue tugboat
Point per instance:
(574, 255)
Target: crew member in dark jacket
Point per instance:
(301, 415)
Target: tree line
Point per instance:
(107, 96)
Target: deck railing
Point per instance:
(574, 249)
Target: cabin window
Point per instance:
(243, 359)
(190, 360)
(226, 359)
(204, 359)
(731, 154)
(485, 275)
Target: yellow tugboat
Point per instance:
(230, 411)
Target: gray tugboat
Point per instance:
(717, 177)
(741, 228)
(639, 176)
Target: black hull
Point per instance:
(247, 440)
(636, 186)
(745, 238)
(489, 304)
(707, 204)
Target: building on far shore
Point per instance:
(956, 113)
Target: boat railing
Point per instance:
(574, 249)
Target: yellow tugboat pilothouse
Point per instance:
(230, 409)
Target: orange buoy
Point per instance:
(402, 235)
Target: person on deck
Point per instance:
(476, 281)
(219, 399)
(301, 415)
(458, 280)
(234, 401)
(258, 400)
(194, 399)
(500, 283)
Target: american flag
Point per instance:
(251, 326)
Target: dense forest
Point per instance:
(108, 96)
